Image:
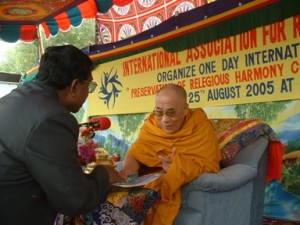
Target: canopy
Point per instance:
(19, 19)
(116, 19)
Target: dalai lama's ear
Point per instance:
(186, 109)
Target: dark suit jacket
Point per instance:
(39, 172)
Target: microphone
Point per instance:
(97, 123)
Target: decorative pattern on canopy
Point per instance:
(120, 23)
(19, 19)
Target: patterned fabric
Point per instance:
(235, 134)
(123, 207)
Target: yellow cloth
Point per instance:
(196, 153)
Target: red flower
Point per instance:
(86, 152)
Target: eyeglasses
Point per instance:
(92, 85)
(169, 113)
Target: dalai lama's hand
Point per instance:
(114, 176)
(167, 161)
(130, 166)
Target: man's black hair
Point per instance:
(60, 65)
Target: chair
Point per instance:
(233, 196)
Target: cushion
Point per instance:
(123, 206)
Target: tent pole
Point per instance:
(40, 44)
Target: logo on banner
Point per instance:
(110, 87)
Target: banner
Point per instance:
(260, 65)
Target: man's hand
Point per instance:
(166, 161)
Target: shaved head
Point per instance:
(175, 90)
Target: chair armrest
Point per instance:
(227, 179)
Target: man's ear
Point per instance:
(74, 87)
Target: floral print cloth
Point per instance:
(235, 134)
(123, 207)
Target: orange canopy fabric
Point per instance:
(197, 152)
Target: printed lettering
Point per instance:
(273, 33)
(286, 85)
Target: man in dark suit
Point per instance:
(39, 171)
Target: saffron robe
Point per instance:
(197, 152)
